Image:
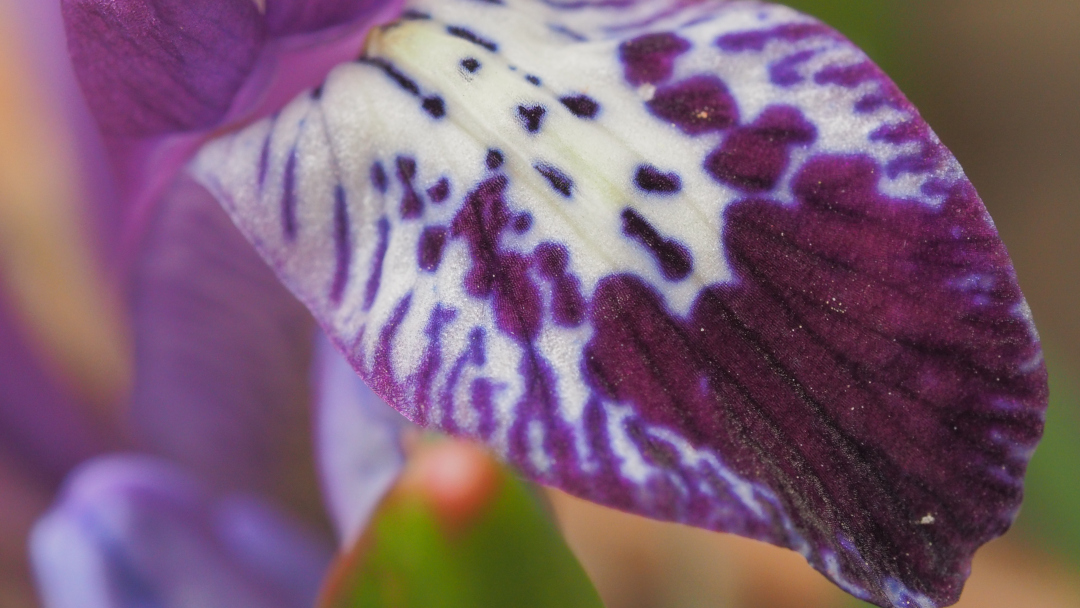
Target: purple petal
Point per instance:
(816, 339)
(223, 353)
(359, 443)
(133, 531)
(285, 17)
(151, 67)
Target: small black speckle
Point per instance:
(470, 64)
(434, 105)
(531, 117)
(581, 106)
(560, 182)
(533, 79)
(494, 159)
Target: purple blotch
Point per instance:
(532, 117)
(317, 92)
(651, 179)
(785, 73)
(378, 177)
(434, 106)
(673, 257)
(411, 205)
(754, 157)
(559, 181)
(757, 39)
(264, 160)
(494, 159)
(496, 274)
(466, 34)
(567, 303)
(430, 249)
(371, 288)
(288, 199)
(849, 76)
(651, 58)
(470, 64)
(699, 104)
(840, 367)
(440, 191)
(523, 222)
(534, 80)
(342, 246)
(581, 106)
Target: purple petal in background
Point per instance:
(132, 531)
(358, 437)
(150, 67)
(815, 339)
(222, 383)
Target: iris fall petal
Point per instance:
(133, 531)
(698, 261)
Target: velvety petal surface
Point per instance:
(284, 17)
(358, 438)
(150, 67)
(131, 531)
(222, 383)
(699, 261)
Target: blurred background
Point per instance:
(998, 80)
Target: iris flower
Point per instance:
(699, 261)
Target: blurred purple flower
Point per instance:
(698, 261)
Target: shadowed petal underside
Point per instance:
(697, 261)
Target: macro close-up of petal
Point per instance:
(701, 262)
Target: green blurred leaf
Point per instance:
(1051, 511)
(510, 556)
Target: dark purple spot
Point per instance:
(651, 179)
(567, 303)
(757, 39)
(523, 222)
(434, 106)
(531, 117)
(842, 369)
(559, 181)
(403, 81)
(317, 92)
(753, 158)
(411, 205)
(494, 159)
(699, 104)
(430, 248)
(371, 288)
(378, 177)
(533, 80)
(470, 64)
(414, 15)
(288, 200)
(651, 58)
(342, 246)
(900, 133)
(785, 72)
(496, 274)
(466, 34)
(672, 256)
(264, 160)
(849, 76)
(565, 31)
(440, 191)
(581, 106)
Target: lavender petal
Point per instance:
(285, 17)
(134, 531)
(816, 340)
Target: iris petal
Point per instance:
(358, 437)
(150, 67)
(811, 334)
(133, 531)
(222, 384)
(285, 17)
